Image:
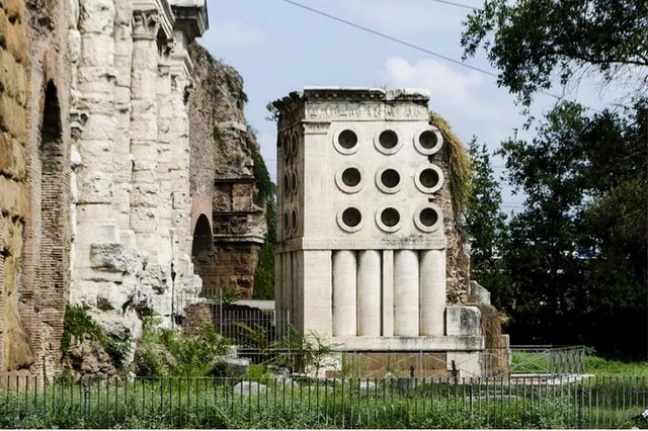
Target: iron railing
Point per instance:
(303, 402)
(553, 360)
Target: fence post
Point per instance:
(580, 399)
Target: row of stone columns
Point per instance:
(388, 293)
(132, 171)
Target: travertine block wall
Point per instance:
(14, 84)
(363, 227)
(131, 156)
(34, 183)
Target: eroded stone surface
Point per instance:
(228, 214)
(131, 73)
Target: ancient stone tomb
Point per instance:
(365, 218)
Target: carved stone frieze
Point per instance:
(364, 111)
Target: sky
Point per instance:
(279, 47)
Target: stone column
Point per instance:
(387, 293)
(369, 280)
(93, 85)
(432, 295)
(176, 158)
(122, 144)
(287, 274)
(145, 194)
(315, 281)
(165, 116)
(344, 293)
(406, 297)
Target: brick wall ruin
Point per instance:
(96, 160)
(34, 179)
(227, 218)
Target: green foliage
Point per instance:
(167, 352)
(577, 255)
(262, 179)
(242, 97)
(172, 403)
(264, 276)
(311, 350)
(273, 113)
(610, 367)
(77, 323)
(258, 373)
(531, 42)
(486, 225)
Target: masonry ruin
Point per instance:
(127, 186)
(366, 226)
(107, 198)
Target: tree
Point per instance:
(577, 255)
(532, 42)
(486, 225)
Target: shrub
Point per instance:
(167, 352)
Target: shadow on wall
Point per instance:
(203, 255)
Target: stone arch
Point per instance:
(203, 255)
(53, 276)
(203, 239)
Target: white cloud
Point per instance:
(468, 100)
(447, 86)
(411, 16)
(235, 34)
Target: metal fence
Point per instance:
(302, 402)
(555, 360)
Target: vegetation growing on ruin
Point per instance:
(458, 165)
(79, 325)
(264, 276)
(167, 352)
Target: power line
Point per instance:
(465, 6)
(411, 45)
(391, 38)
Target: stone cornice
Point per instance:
(191, 16)
(355, 94)
(412, 243)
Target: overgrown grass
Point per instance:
(344, 404)
(605, 367)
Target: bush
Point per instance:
(77, 324)
(167, 352)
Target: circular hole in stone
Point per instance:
(351, 217)
(351, 177)
(347, 139)
(390, 217)
(287, 185)
(428, 139)
(388, 139)
(295, 183)
(294, 220)
(428, 217)
(286, 223)
(294, 150)
(429, 178)
(390, 178)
